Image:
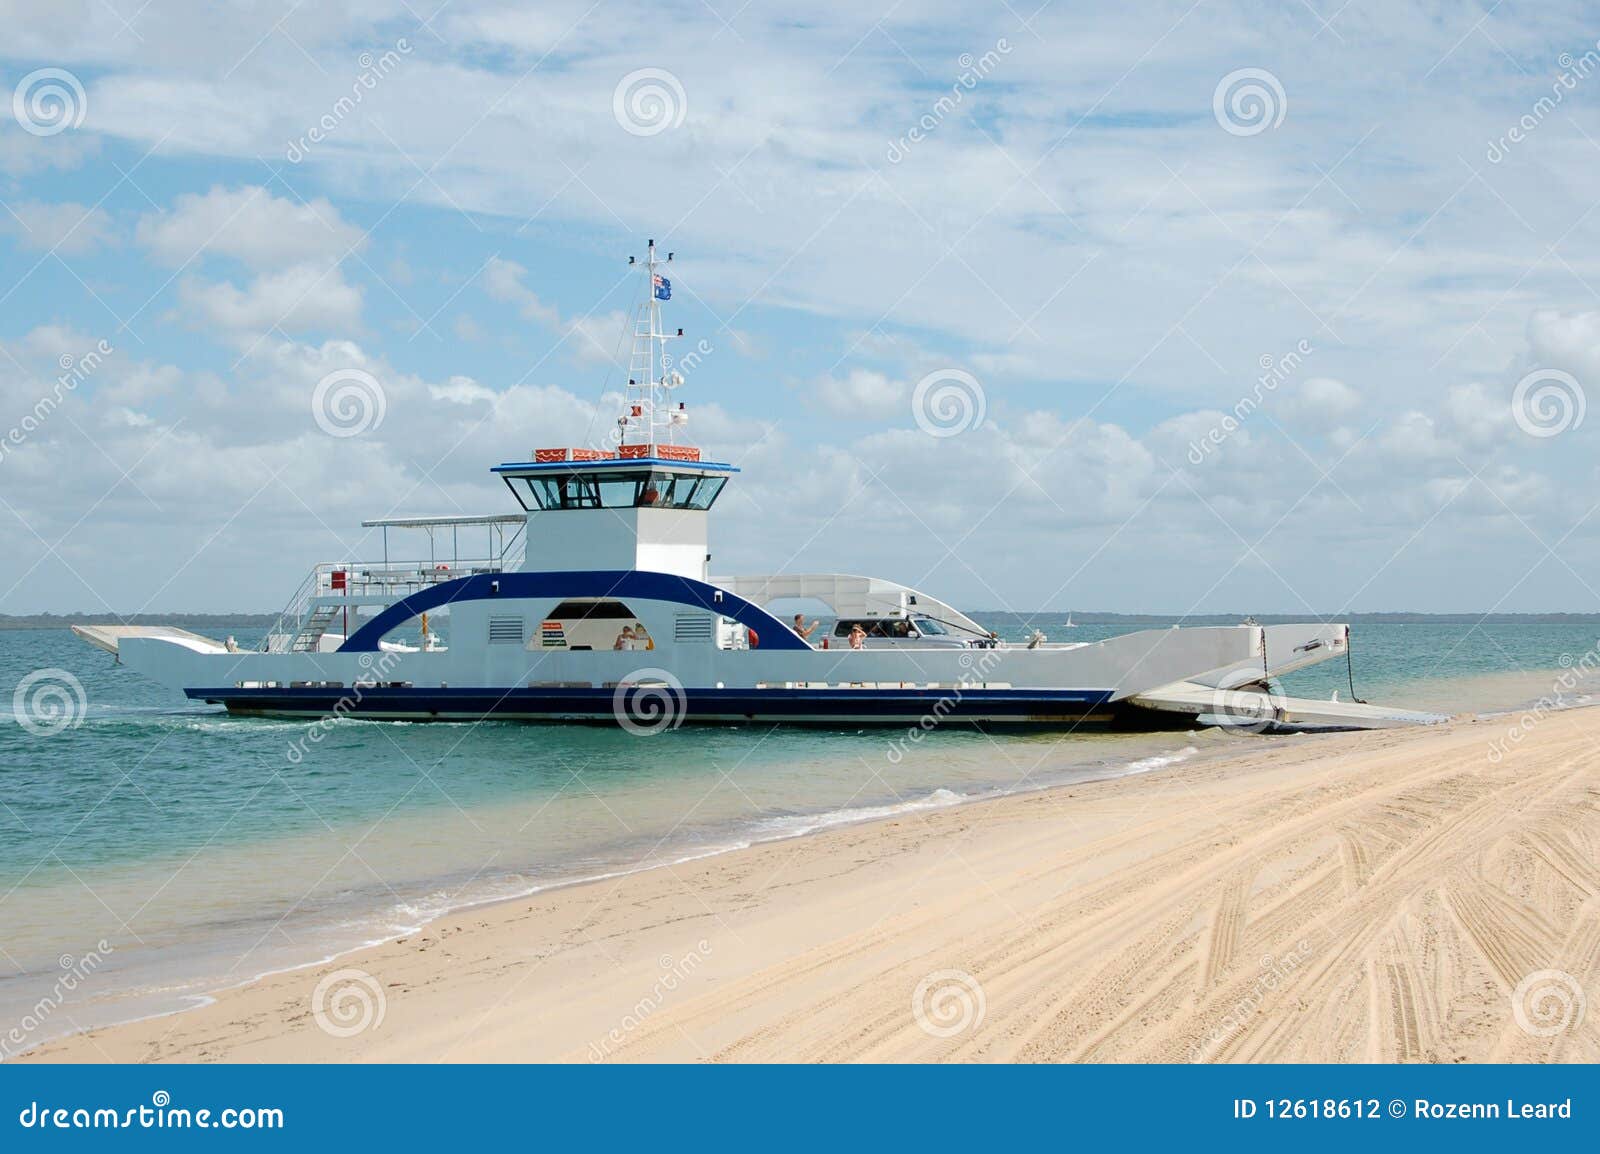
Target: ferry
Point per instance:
(594, 600)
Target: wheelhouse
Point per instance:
(617, 489)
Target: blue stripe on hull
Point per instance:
(874, 706)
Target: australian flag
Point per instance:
(663, 288)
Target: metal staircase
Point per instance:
(315, 626)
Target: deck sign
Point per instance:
(552, 635)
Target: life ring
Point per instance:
(753, 637)
(442, 568)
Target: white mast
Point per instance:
(648, 417)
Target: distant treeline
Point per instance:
(53, 621)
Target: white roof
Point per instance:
(445, 522)
(848, 596)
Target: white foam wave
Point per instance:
(773, 829)
(1157, 761)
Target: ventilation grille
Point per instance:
(692, 627)
(505, 630)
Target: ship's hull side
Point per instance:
(648, 707)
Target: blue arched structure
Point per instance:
(620, 583)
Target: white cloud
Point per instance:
(251, 225)
(22, 153)
(1323, 400)
(503, 281)
(1567, 341)
(63, 227)
(305, 298)
(294, 251)
(591, 338)
(1131, 272)
(862, 394)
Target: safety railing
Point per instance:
(367, 583)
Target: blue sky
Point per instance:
(1097, 229)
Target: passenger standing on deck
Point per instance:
(858, 637)
(624, 639)
(802, 628)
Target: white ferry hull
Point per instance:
(781, 680)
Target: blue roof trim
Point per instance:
(607, 464)
(620, 583)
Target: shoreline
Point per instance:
(808, 825)
(668, 963)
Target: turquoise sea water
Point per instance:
(201, 852)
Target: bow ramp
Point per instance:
(110, 637)
(1243, 695)
(1268, 710)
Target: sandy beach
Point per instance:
(1424, 895)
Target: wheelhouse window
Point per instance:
(656, 489)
